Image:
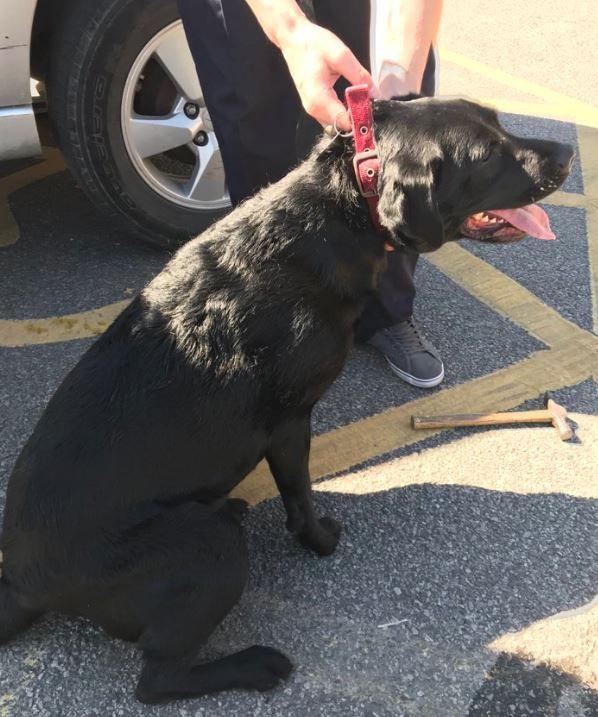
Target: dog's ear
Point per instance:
(407, 206)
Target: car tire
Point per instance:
(91, 57)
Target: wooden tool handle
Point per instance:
(481, 419)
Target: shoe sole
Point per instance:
(419, 382)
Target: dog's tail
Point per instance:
(13, 617)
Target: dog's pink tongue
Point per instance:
(531, 219)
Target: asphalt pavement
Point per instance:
(464, 579)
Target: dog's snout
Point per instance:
(563, 157)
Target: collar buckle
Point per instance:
(366, 176)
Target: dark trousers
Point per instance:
(261, 127)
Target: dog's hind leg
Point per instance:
(14, 618)
(288, 458)
(201, 597)
(184, 570)
(256, 668)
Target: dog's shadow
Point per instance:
(398, 621)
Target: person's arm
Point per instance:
(406, 29)
(316, 58)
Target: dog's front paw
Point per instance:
(237, 509)
(322, 536)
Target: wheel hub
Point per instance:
(166, 127)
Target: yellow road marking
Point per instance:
(507, 297)
(26, 332)
(588, 152)
(567, 199)
(52, 163)
(59, 328)
(31, 673)
(515, 455)
(582, 112)
(561, 113)
(5, 702)
(376, 435)
(571, 358)
(15, 333)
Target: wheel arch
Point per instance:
(46, 19)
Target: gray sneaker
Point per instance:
(409, 355)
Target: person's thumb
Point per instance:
(329, 110)
(347, 65)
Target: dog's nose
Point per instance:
(563, 157)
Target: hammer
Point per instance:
(552, 413)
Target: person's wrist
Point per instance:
(289, 29)
(394, 80)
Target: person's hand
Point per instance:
(316, 59)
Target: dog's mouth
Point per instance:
(508, 225)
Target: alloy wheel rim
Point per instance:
(173, 146)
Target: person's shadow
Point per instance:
(516, 687)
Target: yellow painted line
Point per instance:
(86, 324)
(83, 325)
(52, 163)
(508, 298)
(573, 357)
(588, 150)
(583, 112)
(514, 460)
(567, 199)
(544, 110)
(29, 674)
(355, 443)
(5, 702)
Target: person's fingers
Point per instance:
(327, 109)
(343, 121)
(347, 65)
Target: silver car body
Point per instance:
(18, 131)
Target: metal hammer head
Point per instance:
(559, 418)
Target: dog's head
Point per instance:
(449, 170)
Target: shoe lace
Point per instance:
(407, 337)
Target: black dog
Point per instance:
(117, 508)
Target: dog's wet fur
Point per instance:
(117, 507)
